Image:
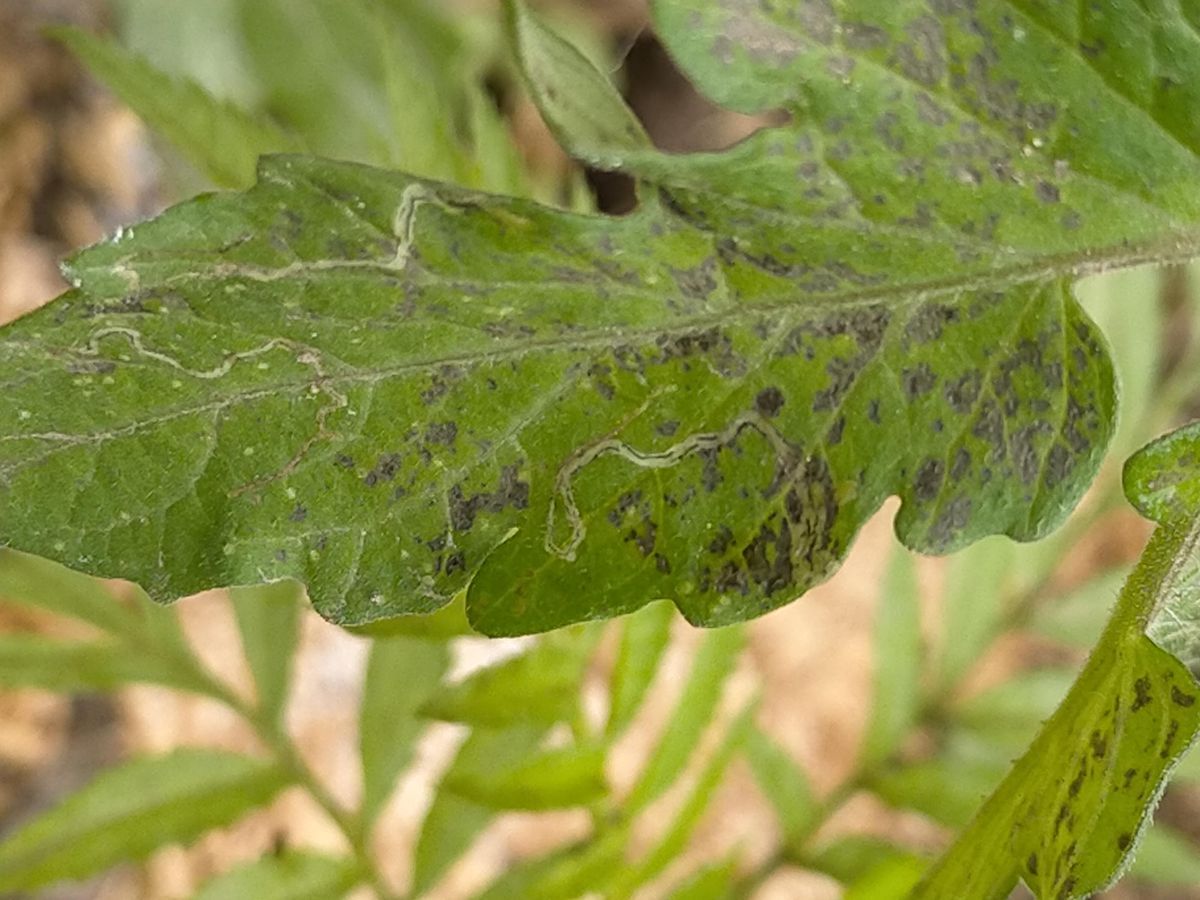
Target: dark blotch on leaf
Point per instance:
(385, 470)
(1181, 698)
(721, 542)
(963, 391)
(769, 558)
(299, 514)
(1141, 690)
(511, 492)
(918, 380)
(443, 433)
(769, 402)
(929, 479)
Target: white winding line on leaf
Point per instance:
(663, 459)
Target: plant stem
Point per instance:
(283, 749)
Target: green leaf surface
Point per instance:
(291, 876)
(220, 139)
(571, 415)
(29, 660)
(402, 673)
(973, 601)
(540, 686)
(45, 585)
(580, 105)
(785, 785)
(898, 660)
(448, 622)
(563, 875)
(672, 843)
(552, 779)
(268, 619)
(133, 809)
(1015, 708)
(1069, 815)
(712, 665)
(848, 859)
(453, 822)
(713, 882)
(893, 879)
(644, 636)
(1077, 617)
(1163, 481)
(948, 788)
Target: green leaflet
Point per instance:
(569, 873)
(402, 673)
(551, 779)
(268, 619)
(897, 682)
(132, 810)
(693, 713)
(680, 829)
(644, 638)
(784, 784)
(291, 876)
(1069, 815)
(538, 687)
(453, 822)
(221, 140)
(29, 660)
(570, 416)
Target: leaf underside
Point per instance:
(395, 390)
(1070, 814)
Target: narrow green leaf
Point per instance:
(679, 831)
(39, 583)
(451, 826)
(1069, 815)
(580, 105)
(290, 876)
(221, 140)
(448, 622)
(576, 871)
(268, 618)
(29, 660)
(948, 788)
(570, 776)
(713, 882)
(1167, 857)
(1128, 308)
(315, 57)
(539, 686)
(644, 636)
(402, 673)
(973, 601)
(714, 662)
(898, 659)
(1077, 618)
(1014, 709)
(453, 822)
(133, 809)
(850, 858)
(784, 783)
(890, 880)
